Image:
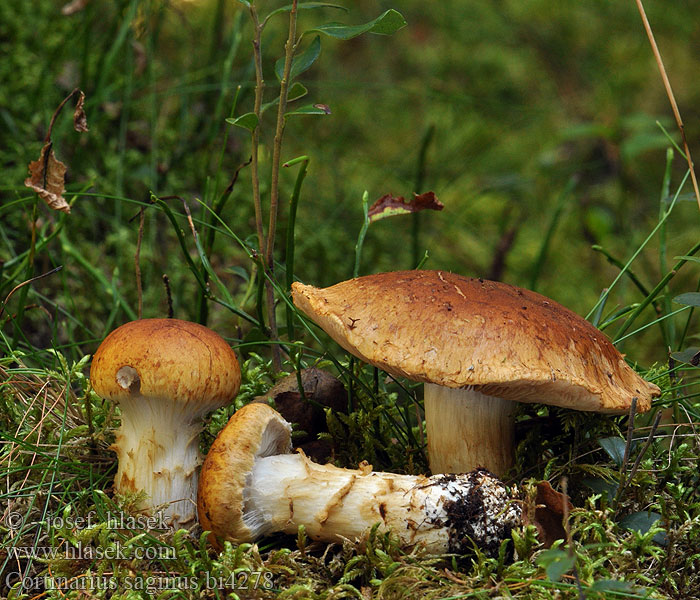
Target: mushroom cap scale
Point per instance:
(442, 328)
(167, 358)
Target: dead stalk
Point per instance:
(671, 97)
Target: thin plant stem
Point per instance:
(634, 278)
(655, 292)
(363, 232)
(289, 49)
(257, 109)
(25, 283)
(668, 328)
(269, 261)
(137, 260)
(628, 448)
(272, 324)
(638, 251)
(291, 225)
(32, 254)
(554, 221)
(417, 187)
(168, 295)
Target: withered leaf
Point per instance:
(547, 513)
(324, 107)
(73, 7)
(79, 117)
(388, 205)
(47, 178)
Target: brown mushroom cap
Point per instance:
(167, 358)
(438, 327)
(255, 431)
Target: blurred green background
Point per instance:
(533, 116)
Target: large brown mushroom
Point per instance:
(251, 485)
(166, 375)
(478, 346)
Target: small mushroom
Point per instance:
(250, 486)
(478, 346)
(166, 375)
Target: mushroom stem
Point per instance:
(467, 429)
(158, 452)
(447, 513)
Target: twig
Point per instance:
(57, 112)
(505, 243)
(234, 179)
(642, 452)
(630, 432)
(166, 283)
(289, 50)
(137, 266)
(257, 109)
(569, 541)
(27, 282)
(625, 459)
(269, 258)
(417, 187)
(671, 98)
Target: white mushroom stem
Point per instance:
(448, 513)
(158, 450)
(467, 429)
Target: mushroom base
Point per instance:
(467, 430)
(158, 452)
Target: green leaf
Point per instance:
(690, 197)
(688, 299)
(295, 91)
(642, 522)
(555, 562)
(247, 121)
(688, 258)
(240, 272)
(690, 356)
(310, 109)
(615, 447)
(387, 23)
(305, 6)
(601, 486)
(301, 62)
(245, 3)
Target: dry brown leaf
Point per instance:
(79, 117)
(73, 7)
(47, 178)
(548, 514)
(388, 205)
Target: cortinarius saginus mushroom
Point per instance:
(250, 486)
(478, 345)
(166, 375)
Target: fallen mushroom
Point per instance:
(250, 486)
(477, 345)
(166, 375)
